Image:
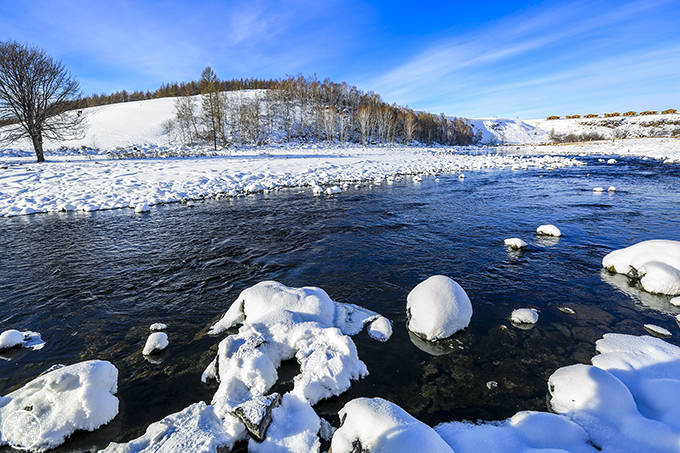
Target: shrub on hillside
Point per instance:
(575, 138)
(553, 117)
(630, 113)
(669, 111)
(649, 112)
(573, 117)
(591, 115)
(612, 115)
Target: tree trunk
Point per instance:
(38, 147)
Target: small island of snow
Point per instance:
(548, 230)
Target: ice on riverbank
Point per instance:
(61, 401)
(656, 263)
(74, 183)
(437, 308)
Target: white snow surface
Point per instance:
(515, 243)
(64, 400)
(383, 427)
(437, 308)
(524, 316)
(548, 230)
(156, 342)
(658, 330)
(656, 263)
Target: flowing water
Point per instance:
(92, 283)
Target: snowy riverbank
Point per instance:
(67, 183)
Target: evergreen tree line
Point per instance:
(303, 109)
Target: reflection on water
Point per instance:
(92, 284)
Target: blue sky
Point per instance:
(512, 59)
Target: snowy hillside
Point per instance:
(506, 131)
(617, 127)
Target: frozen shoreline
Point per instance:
(68, 183)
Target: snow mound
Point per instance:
(156, 342)
(524, 432)
(62, 401)
(524, 316)
(380, 329)
(11, 339)
(142, 208)
(598, 189)
(658, 330)
(548, 230)
(437, 308)
(515, 243)
(378, 426)
(656, 263)
(157, 326)
(626, 401)
(675, 301)
(194, 429)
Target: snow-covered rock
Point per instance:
(380, 329)
(194, 429)
(256, 414)
(611, 189)
(525, 431)
(437, 308)
(656, 263)
(515, 243)
(157, 327)
(658, 330)
(333, 190)
(156, 342)
(675, 301)
(11, 339)
(377, 426)
(598, 189)
(548, 230)
(294, 427)
(626, 401)
(63, 400)
(611, 161)
(524, 316)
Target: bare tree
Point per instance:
(185, 113)
(35, 96)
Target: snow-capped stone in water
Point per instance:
(32, 340)
(417, 178)
(317, 190)
(491, 385)
(548, 230)
(611, 189)
(380, 329)
(461, 176)
(194, 429)
(437, 308)
(190, 204)
(256, 414)
(524, 316)
(334, 190)
(294, 427)
(675, 301)
(627, 400)
(11, 339)
(567, 310)
(157, 326)
(156, 342)
(58, 403)
(515, 243)
(658, 330)
(379, 426)
(656, 263)
(611, 161)
(141, 208)
(598, 189)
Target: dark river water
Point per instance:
(92, 283)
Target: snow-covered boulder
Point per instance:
(380, 329)
(61, 401)
(611, 189)
(524, 316)
(515, 243)
(598, 189)
(11, 339)
(626, 401)
(377, 426)
(658, 330)
(675, 301)
(548, 230)
(525, 431)
(142, 208)
(294, 427)
(194, 429)
(333, 190)
(156, 342)
(157, 327)
(437, 308)
(656, 263)
(256, 414)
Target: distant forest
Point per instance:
(291, 109)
